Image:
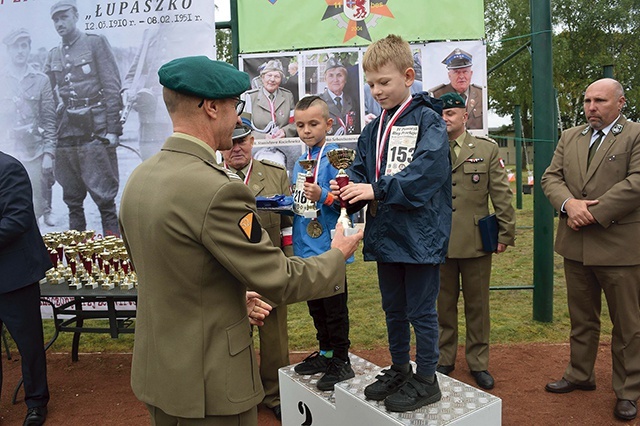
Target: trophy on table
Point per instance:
(341, 159)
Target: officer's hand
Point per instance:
(257, 309)
(347, 245)
(113, 139)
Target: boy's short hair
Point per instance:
(309, 101)
(392, 49)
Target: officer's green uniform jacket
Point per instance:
(196, 245)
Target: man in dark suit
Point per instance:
(197, 252)
(23, 262)
(594, 182)
(342, 109)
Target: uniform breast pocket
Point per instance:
(616, 164)
(83, 64)
(475, 176)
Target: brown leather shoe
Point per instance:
(565, 386)
(626, 410)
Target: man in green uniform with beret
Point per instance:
(266, 178)
(478, 175)
(84, 72)
(195, 238)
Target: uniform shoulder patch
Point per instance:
(250, 227)
(271, 163)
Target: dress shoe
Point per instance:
(483, 379)
(565, 386)
(277, 411)
(445, 369)
(626, 410)
(35, 416)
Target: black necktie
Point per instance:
(338, 103)
(594, 147)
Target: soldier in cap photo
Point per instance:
(28, 119)
(83, 71)
(477, 176)
(197, 243)
(459, 65)
(342, 109)
(269, 108)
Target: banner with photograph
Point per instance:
(281, 79)
(325, 23)
(80, 101)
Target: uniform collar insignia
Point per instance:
(617, 129)
(474, 160)
(585, 131)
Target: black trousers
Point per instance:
(20, 313)
(331, 319)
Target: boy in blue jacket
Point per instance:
(403, 172)
(312, 235)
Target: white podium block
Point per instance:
(303, 404)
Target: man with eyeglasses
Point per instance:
(459, 65)
(193, 233)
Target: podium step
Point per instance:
(303, 404)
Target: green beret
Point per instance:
(204, 78)
(16, 35)
(452, 100)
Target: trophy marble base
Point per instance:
(310, 214)
(347, 232)
(303, 403)
(91, 284)
(75, 285)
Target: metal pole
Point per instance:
(235, 39)
(517, 127)
(543, 134)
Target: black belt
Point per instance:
(83, 102)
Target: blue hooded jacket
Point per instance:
(413, 218)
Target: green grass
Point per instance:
(511, 310)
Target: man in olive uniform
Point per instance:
(266, 178)
(478, 175)
(28, 114)
(193, 233)
(459, 65)
(84, 72)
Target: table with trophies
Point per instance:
(89, 271)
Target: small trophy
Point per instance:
(341, 159)
(307, 209)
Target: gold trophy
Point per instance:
(341, 159)
(72, 255)
(307, 209)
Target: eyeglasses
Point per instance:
(239, 105)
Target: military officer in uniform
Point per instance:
(84, 72)
(594, 182)
(266, 178)
(459, 65)
(197, 243)
(341, 107)
(269, 109)
(478, 175)
(28, 113)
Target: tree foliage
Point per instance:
(587, 37)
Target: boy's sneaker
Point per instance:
(387, 383)
(337, 371)
(314, 363)
(415, 393)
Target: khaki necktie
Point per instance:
(240, 174)
(594, 147)
(454, 156)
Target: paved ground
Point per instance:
(96, 391)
